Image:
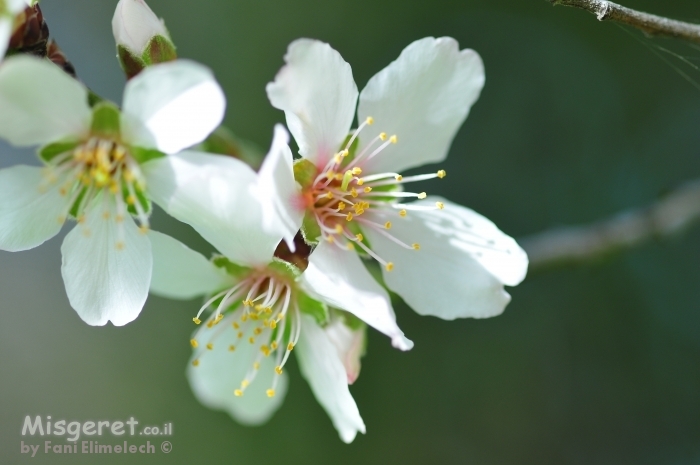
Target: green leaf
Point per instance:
(160, 49)
(51, 151)
(304, 172)
(106, 120)
(313, 307)
(142, 155)
(231, 268)
(224, 142)
(310, 229)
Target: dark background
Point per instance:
(593, 364)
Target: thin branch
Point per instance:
(624, 230)
(650, 24)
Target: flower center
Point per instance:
(263, 311)
(344, 199)
(99, 169)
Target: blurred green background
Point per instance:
(593, 364)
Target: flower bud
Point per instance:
(142, 39)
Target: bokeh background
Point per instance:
(590, 364)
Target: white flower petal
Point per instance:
(106, 267)
(350, 345)
(339, 278)
(219, 203)
(320, 365)
(463, 262)
(181, 273)
(29, 215)
(318, 95)
(172, 106)
(40, 103)
(423, 97)
(221, 371)
(164, 175)
(278, 191)
(134, 25)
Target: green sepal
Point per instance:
(310, 229)
(224, 142)
(142, 155)
(227, 265)
(140, 197)
(51, 151)
(286, 269)
(304, 172)
(352, 150)
(313, 307)
(160, 49)
(131, 64)
(74, 208)
(351, 321)
(106, 120)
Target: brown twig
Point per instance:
(650, 24)
(624, 230)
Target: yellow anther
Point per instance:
(360, 181)
(338, 229)
(349, 217)
(416, 246)
(369, 121)
(338, 158)
(251, 339)
(440, 205)
(236, 325)
(398, 177)
(273, 345)
(128, 176)
(389, 266)
(120, 245)
(422, 195)
(345, 153)
(195, 363)
(210, 323)
(254, 316)
(247, 303)
(240, 334)
(353, 192)
(105, 215)
(360, 237)
(119, 218)
(403, 213)
(356, 170)
(330, 175)
(113, 187)
(290, 346)
(441, 174)
(194, 343)
(278, 370)
(387, 225)
(256, 365)
(393, 139)
(329, 195)
(231, 348)
(273, 324)
(238, 393)
(245, 383)
(382, 136)
(270, 393)
(197, 321)
(367, 190)
(244, 318)
(131, 200)
(219, 317)
(350, 246)
(257, 331)
(330, 239)
(341, 206)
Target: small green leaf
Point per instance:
(142, 155)
(304, 172)
(160, 49)
(231, 268)
(106, 120)
(313, 307)
(131, 64)
(310, 229)
(51, 151)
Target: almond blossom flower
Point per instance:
(9, 9)
(93, 172)
(264, 306)
(441, 258)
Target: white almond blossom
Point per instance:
(92, 172)
(9, 9)
(265, 307)
(134, 25)
(441, 258)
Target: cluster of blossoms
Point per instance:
(297, 239)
